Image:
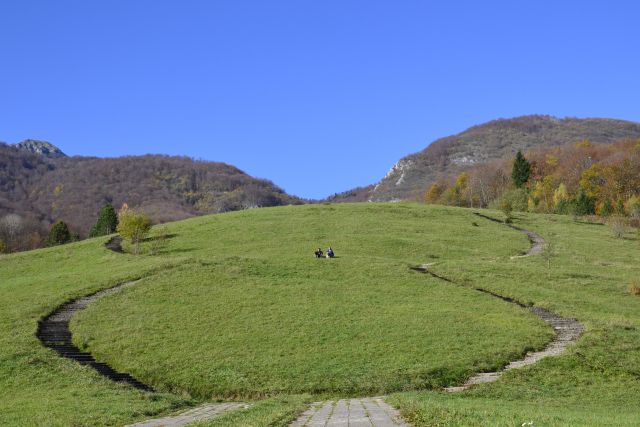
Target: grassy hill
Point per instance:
(234, 306)
(446, 157)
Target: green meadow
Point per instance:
(235, 307)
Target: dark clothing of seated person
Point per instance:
(319, 253)
(330, 253)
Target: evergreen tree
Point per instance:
(607, 208)
(521, 170)
(584, 205)
(59, 234)
(107, 222)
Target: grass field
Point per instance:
(234, 306)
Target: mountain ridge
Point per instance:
(494, 140)
(47, 186)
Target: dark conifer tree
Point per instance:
(107, 222)
(607, 208)
(59, 234)
(521, 170)
(584, 205)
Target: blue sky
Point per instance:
(317, 96)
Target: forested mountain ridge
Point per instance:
(449, 156)
(47, 186)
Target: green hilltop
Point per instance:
(235, 307)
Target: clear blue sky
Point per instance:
(317, 96)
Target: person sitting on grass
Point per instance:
(319, 253)
(330, 252)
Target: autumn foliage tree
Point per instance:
(433, 194)
(133, 225)
(580, 179)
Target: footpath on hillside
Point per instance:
(54, 333)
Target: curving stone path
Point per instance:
(54, 333)
(537, 241)
(567, 332)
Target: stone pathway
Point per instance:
(567, 332)
(54, 332)
(537, 241)
(201, 413)
(370, 411)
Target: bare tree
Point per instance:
(10, 230)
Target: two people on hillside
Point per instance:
(320, 254)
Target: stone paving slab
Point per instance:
(204, 412)
(365, 412)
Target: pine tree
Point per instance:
(107, 222)
(607, 208)
(521, 170)
(59, 234)
(584, 204)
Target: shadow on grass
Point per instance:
(159, 237)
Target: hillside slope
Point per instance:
(494, 140)
(39, 181)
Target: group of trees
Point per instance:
(167, 188)
(582, 179)
(17, 233)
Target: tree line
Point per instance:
(18, 233)
(581, 179)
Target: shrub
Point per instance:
(632, 207)
(518, 199)
(506, 208)
(565, 207)
(158, 242)
(634, 288)
(618, 226)
(133, 226)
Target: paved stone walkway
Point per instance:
(204, 412)
(370, 411)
